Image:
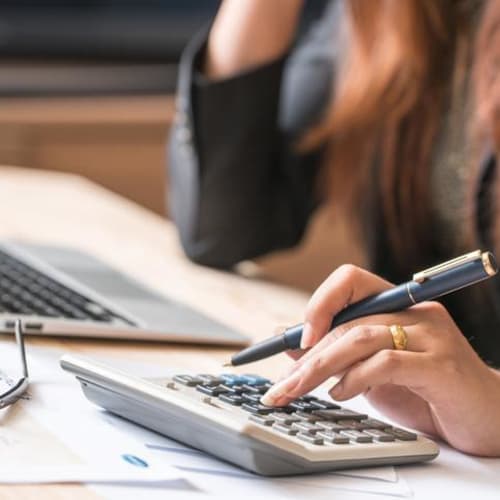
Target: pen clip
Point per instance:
(421, 276)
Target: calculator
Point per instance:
(222, 415)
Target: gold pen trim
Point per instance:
(489, 267)
(421, 276)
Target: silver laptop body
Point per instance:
(62, 291)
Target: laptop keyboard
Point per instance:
(25, 290)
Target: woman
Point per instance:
(390, 110)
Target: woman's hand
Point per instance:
(438, 384)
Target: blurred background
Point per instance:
(88, 86)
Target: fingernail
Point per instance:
(336, 390)
(274, 393)
(306, 339)
(270, 397)
(277, 392)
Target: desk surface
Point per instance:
(64, 209)
(68, 210)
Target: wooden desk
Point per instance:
(65, 209)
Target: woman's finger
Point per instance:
(358, 344)
(296, 354)
(402, 368)
(344, 286)
(405, 318)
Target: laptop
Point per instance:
(62, 291)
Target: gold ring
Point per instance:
(399, 337)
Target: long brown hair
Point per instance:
(404, 60)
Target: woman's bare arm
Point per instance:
(248, 33)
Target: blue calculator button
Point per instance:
(232, 379)
(254, 379)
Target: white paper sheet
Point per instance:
(219, 479)
(55, 435)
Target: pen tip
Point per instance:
(228, 363)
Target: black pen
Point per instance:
(426, 285)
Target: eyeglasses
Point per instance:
(16, 389)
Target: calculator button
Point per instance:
(309, 417)
(232, 399)
(257, 408)
(188, 380)
(211, 390)
(262, 419)
(358, 436)
(325, 405)
(284, 418)
(302, 405)
(308, 397)
(207, 379)
(285, 429)
(232, 379)
(253, 398)
(373, 423)
(339, 414)
(333, 437)
(251, 379)
(310, 438)
(402, 435)
(256, 389)
(233, 389)
(379, 435)
(307, 427)
(332, 426)
(355, 425)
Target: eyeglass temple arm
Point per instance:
(18, 329)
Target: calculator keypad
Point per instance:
(307, 419)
